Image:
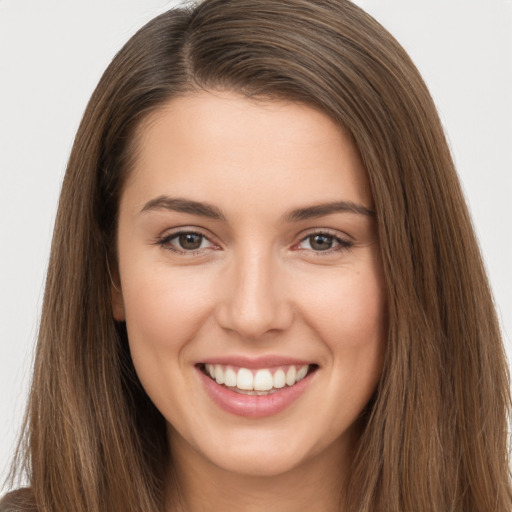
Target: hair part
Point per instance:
(435, 433)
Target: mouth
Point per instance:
(257, 381)
(255, 392)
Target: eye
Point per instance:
(185, 242)
(324, 242)
(190, 241)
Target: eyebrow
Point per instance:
(212, 212)
(184, 206)
(320, 210)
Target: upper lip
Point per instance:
(267, 361)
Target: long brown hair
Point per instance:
(435, 434)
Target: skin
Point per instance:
(258, 285)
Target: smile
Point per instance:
(260, 382)
(255, 392)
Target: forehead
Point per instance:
(221, 146)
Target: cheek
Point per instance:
(350, 310)
(348, 313)
(164, 309)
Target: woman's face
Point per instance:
(248, 250)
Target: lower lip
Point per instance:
(253, 406)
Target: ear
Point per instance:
(116, 297)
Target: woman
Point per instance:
(264, 289)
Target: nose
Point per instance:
(254, 300)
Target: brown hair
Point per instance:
(435, 433)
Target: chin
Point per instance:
(260, 463)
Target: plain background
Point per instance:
(52, 54)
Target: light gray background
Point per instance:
(52, 53)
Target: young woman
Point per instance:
(264, 291)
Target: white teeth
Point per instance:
(303, 370)
(261, 381)
(219, 374)
(230, 377)
(244, 379)
(279, 379)
(291, 374)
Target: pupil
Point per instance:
(190, 241)
(321, 242)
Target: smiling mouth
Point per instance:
(262, 381)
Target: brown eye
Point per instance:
(321, 242)
(190, 241)
(186, 242)
(324, 242)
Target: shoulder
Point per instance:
(21, 500)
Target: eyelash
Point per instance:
(165, 242)
(342, 244)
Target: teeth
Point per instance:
(219, 375)
(230, 378)
(301, 373)
(244, 379)
(261, 381)
(291, 375)
(279, 379)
